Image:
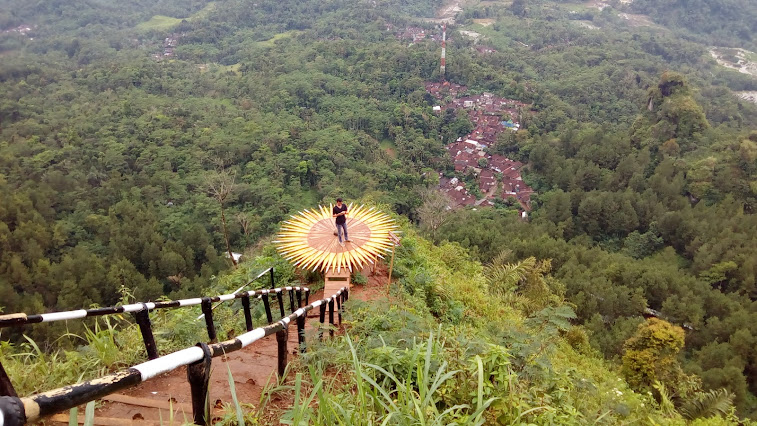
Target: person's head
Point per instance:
(339, 201)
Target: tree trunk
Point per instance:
(226, 237)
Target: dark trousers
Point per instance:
(339, 228)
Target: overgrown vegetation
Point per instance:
(407, 361)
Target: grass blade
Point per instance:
(477, 420)
(233, 390)
(359, 377)
(427, 361)
(386, 420)
(382, 391)
(480, 393)
(89, 414)
(73, 417)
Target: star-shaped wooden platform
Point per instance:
(309, 239)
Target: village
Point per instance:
(497, 176)
(418, 34)
(169, 44)
(24, 30)
(481, 178)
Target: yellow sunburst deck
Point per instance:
(309, 240)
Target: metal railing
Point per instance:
(18, 411)
(14, 320)
(142, 317)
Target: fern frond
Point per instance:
(501, 258)
(708, 404)
(505, 278)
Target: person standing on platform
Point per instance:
(340, 213)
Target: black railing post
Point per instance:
(12, 411)
(198, 375)
(143, 320)
(346, 294)
(299, 298)
(6, 387)
(207, 309)
(301, 332)
(322, 319)
(281, 339)
(307, 297)
(247, 314)
(267, 305)
(281, 302)
(339, 307)
(331, 317)
(291, 300)
(273, 285)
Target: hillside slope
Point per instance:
(458, 342)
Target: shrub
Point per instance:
(358, 278)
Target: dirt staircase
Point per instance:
(166, 400)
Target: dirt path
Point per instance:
(748, 96)
(251, 368)
(448, 12)
(737, 59)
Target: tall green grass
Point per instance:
(163, 23)
(101, 348)
(377, 395)
(159, 22)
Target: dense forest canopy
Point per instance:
(117, 120)
(730, 22)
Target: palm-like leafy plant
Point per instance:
(523, 285)
(708, 404)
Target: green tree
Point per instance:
(650, 355)
(220, 185)
(518, 8)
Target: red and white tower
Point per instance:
(443, 68)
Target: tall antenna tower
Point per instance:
(443, 67)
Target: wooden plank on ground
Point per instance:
(147, 402)
(105, 421)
